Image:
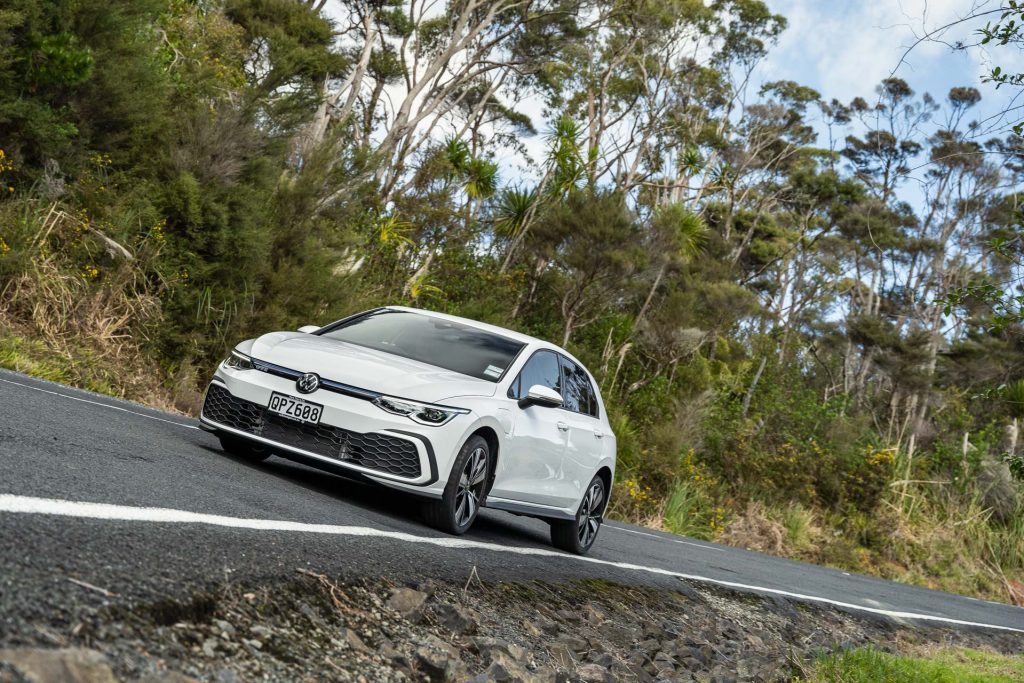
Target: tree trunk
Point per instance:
(753, 386)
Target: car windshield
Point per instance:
(431, 340)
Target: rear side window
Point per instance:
(542, 369)
(578, 392)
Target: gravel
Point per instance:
(315, 627)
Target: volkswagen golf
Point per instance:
(464, 414)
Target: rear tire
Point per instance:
(465, 492)
(577, 536)
(242, 448)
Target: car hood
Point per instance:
(365, 368)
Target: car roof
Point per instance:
(510, 334)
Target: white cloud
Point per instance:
(846, 48)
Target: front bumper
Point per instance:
(353, 434)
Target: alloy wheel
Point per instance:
(590, 513)
(471, 486)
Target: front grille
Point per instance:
(372, 450)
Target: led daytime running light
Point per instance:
(423, 413)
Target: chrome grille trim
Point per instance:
(325, 384)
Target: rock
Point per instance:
(455, 618)
(408, 602)
(505, 669)
(352, 639)
(227, 676)
(689, 664)
(225, 628)
(546, 625)
(593, 673)
(210, 647)
(573, 643)
(639, 658)
(720, 674)
(567, 615)
(439, 665)
(664, 664)
(653, 631)
(548, 675)
(619, 635)
(601, 659)
(592, 614)
(630, 672)
(390, 654)
(486, 646)
(68, 665)
(165, 677)
(530, 629)
(649, 646)
(561, 655)
(262, 632)
(311, 614)
(703, 654)
(748, 668)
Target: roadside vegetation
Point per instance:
(928, 665)
(800, 329)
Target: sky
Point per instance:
(844, 48)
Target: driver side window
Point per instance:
(543, 369)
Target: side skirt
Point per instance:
(529, 509)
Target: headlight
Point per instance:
(238, 361)
(424, 413)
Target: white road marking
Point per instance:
(664, 538)
(98, 403)
(66, 508)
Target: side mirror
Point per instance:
(309, 328)
(542, 396)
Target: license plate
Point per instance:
(295, 408)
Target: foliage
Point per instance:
(950, 665)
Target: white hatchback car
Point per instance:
(466, 414)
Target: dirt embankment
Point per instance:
(313, 627)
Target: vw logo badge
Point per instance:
(307, 383)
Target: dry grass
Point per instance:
(943, 541)
(84, 327)
(756, 528)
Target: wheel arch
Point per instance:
(490, 435)
(606, 474)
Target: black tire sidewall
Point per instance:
(565, 533)
(241, 448)
(451, 488)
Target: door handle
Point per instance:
(563, 426)
(598, 433)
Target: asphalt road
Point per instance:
(174, 510)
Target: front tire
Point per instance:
(241, 448)
(465, 491)
(578, 535)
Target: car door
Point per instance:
(530, 469)
(585, 443)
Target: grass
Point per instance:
(83, 369)
(956, 665)
(683, 512)
(79, 365)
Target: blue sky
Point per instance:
(844, 48)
